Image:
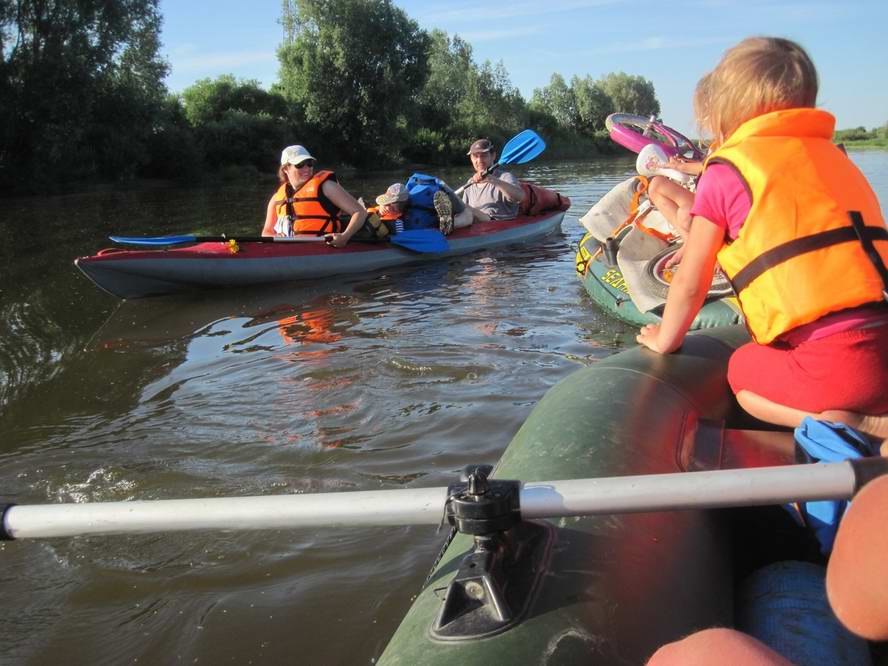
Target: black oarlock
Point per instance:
(499, 577)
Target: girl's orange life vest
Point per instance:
(814, 238)
(387, 217)
(308, 209)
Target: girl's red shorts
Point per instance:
(846, 370)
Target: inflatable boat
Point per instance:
(135, 273)
(610, 589)
(623, 262)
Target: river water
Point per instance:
(363, 382)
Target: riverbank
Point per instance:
(867, 144)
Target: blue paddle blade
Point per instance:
(426, 241)
(522, 148)
(157, 240)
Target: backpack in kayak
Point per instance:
(421, 211)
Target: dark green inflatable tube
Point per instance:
(606, 288)
(619, 586)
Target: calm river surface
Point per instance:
(356, 383)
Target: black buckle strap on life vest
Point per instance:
(777, 255)
(289, 193)
(861, 230)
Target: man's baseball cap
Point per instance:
(480, 146)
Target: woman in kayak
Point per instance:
(809, 265)
(309, 203)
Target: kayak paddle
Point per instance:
(425, 506)
(520, 149)
(426, 241)
(181, 240)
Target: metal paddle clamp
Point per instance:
(498, 578)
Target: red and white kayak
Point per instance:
(137, 273)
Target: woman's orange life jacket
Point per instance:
(814, 240)
(308, 209)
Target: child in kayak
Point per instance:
(446, 210)
(809, 266)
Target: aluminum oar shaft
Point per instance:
(425, 506)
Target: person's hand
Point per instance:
(478, 177)
(648, 335)
(336, 240)
(675, 259)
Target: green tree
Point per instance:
(593, 104)
(354, 66)
(80, 83)
(630, 94)
(557, 99)
(461, 101)
(208, 100)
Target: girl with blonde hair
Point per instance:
(800, 234)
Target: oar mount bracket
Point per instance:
(498, 578)
(478, 505)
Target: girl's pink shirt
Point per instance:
(722, 198)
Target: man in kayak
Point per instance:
(495, 196)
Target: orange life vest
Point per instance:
(308, 209)
(814, 241)
(388, 217)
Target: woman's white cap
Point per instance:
(295, 155)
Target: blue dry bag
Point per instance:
(824, 441)
(421, 211)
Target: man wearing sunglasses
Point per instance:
(309, 203)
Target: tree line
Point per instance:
(861, 137)
(82, 96)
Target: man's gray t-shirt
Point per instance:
(490, 199)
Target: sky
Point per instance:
(672, 44)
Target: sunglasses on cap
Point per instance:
(305, 163)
